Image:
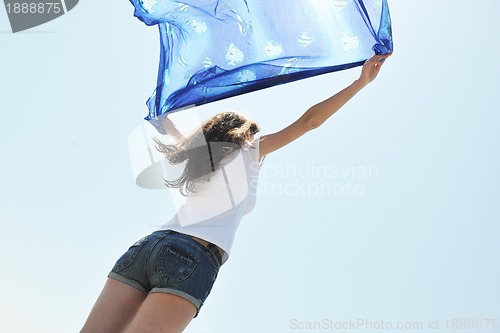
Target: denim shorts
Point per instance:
(170, 262)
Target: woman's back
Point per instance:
(213, 212)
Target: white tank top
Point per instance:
(214, 211)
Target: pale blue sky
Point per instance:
(416, 239)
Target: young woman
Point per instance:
(161, 282)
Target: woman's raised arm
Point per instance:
(319, 113)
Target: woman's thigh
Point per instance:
(162, 313)
(115, 307)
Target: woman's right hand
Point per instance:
(371, 68)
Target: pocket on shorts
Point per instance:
(174, 265)
(128, 258)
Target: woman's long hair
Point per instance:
(219, 136)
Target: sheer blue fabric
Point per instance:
(214, 49)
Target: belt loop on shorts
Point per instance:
(214, 252)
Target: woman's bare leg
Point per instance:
(162, 313)
(114, 309)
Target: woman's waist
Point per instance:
(209, 247)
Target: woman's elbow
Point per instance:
(311, 120)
